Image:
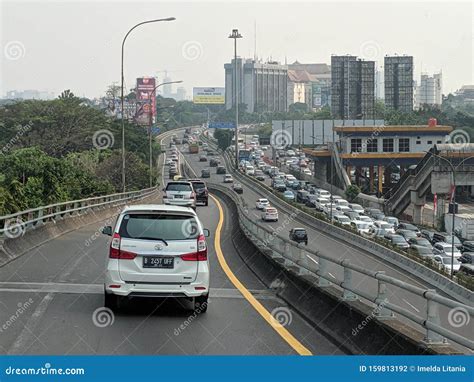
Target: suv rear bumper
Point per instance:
(180, 202)
(125, 289)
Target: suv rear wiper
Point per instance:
(153, 238)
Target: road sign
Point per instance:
(221, 125)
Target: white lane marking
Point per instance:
(309, 257)
(412, 306)
(330, 274)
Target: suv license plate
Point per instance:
(158, 262)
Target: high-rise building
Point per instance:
(352, 87)
(398, 83)
(430, 90)
(260, 86)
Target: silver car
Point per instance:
(179, 193)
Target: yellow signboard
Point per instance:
(209, 96)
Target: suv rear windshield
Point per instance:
(178, 187)
(198, 185)
(158, 226)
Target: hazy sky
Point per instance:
(76, 45)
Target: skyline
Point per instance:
(195, 52)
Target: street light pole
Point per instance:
(121, 92)
(235, 35)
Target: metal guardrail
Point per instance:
(308, 261)
(15, 225)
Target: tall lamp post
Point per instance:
(121, 93)
(153, 94)
(235, 35)
(453, 200)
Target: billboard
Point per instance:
(214, 96)
(221, 125)
(146, 100)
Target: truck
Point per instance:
(193, 148)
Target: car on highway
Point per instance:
(205, 173)
(214, 162)
(392, 220)
(228, 178)
(299, 235)
(361, 227)
(398, 241)
(406, 233)
(279, 186)
(221, 170)
(445, 249)
(307, 172)
(341, 219)
(342, 209)
(168, 161)
(270, 214)
(356, 207)
(249, 170)
(179, 193)
(237, 187)
(202, 158)
(353, 216)
(157, 250)
(320, 202)
(445, 263)
(202, 193)
(421, 251)
(421, 241)
(446, 238)
(302, 196)
(467, 246)
(261, 203)
(409, 227)
(467, 270)
(381, 224)
(173, 171)
(467, 258)
(288, 196)
(428, 234)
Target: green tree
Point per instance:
(224, 138)
(351, 192)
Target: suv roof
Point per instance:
(157, 207)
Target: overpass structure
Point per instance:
(433, 174)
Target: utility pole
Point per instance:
(235, 35)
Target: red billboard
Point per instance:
(146, 97)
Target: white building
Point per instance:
(430, 90)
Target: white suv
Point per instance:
(180, 193)
(157, 251)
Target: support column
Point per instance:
(380, 179)
(418, 204)
(387, 177)
(371, 179)
(357, 175)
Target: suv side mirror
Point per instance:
(107, 230)
(206, 232)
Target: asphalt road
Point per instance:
(338, 250)
(55, 294)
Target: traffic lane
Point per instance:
(337, 250)
(309, 336)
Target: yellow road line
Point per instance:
(281, 330)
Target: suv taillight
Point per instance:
(193, 195)
(201, 254)
(116, 253)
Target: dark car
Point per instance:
(467, 258)
(214, 162)
(280, 187)
(446, 238)
(205, 173)
(302, 196)
(202, 158)
(173, 171)
(200, 189)
(237, 187)
(428, 234)
(467, 270)
(399, 241)
(299, 235)
(210, 152)
(467, 246)
(409, 227)
(406, 233)
(221, 170)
